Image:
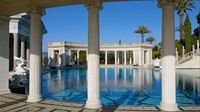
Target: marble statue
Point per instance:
(20, 77)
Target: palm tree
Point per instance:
(182, 7)
(142, 30)
(150, 39)
(198, 21)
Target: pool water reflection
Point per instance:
(120, 86)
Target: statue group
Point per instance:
(20, 77)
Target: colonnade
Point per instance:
(130, 56)
(168, 102)
(22, 41)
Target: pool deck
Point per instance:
(17, 103)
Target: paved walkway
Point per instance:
(17, 103)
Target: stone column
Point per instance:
(193, 49)
(115, 57)
(15, 48)
(198, 46)
(28, 53)
(4, 54)
(168, 102)
(63, 57)
(78, 60)
(22, 47)
(106, 58)
(93, 86)
(176, 56)
(134, 57)
(35, 55)
(183, 51)
(150, 57)
(130, 61)
(69, 57)
(140, 56)
(125, 60)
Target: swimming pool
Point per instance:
(120, 86)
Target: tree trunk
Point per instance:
(182, 37)
(142, 35)
(199, 32)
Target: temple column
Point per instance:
(93, 78)
(115, 57)
(63, 57)
(69, 57)
(168, 102)
(22, 47)
(134, 57)
(125, 60)
(16, 43)
(106, 58)
(140, 57)
(35, 55)
(4, 54)
(28, 54)
(78, 60)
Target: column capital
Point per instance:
(93, 4)
(37, 10)
(162, 3)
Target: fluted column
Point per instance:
(35, 55)
(106, 58)
(22, 47)
(168, 102)
(4, 54)
(93, 86)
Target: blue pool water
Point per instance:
(120, 86)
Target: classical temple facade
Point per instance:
(19, 42)
(69, 53)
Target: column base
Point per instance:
(34, 99)
(91, 105)
(4, 91)
(169, 107)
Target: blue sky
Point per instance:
(118, 20)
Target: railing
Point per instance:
(188, 56)
(102, 45)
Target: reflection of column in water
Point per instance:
(106, 75)
(59, 75)
(142, 78)
(124, 75)
(49, 82)
(148, 74)
(135, 78)
(157, 75)
(177, 78)
(193, 84)
(130, 71)
(116, 71)
(183, 82)
(78, 78)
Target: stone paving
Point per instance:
(17, 103)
